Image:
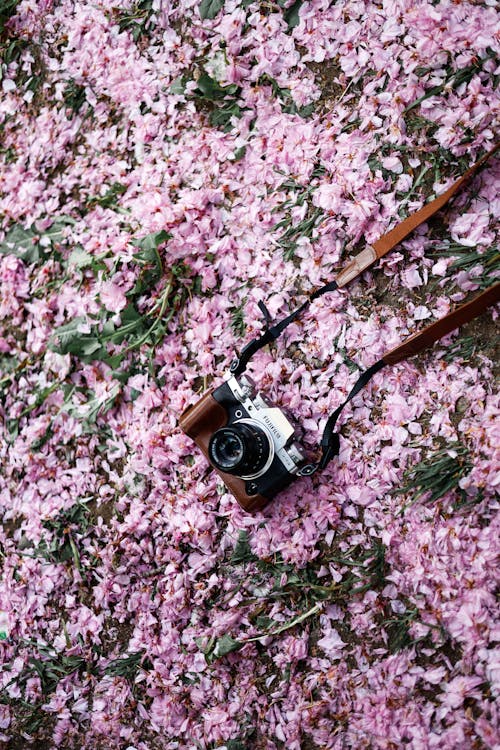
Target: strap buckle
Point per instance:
(308, 470)
(358, 264)
(233, 367)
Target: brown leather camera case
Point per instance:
(199, 421)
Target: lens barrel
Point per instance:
(242, 449)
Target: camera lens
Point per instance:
(242, 449)
(227, 449)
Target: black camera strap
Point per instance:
(357, 265)
(330, 441)
(415, 344)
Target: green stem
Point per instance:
(165, 298)
(34, 406)
(417, 182)
(296, 620)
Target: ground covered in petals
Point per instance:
(164, 167)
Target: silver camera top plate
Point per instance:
(272, 419)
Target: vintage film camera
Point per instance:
(251, 443)
(248, 442)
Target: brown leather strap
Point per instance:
(356, 266)
(440, 328)
(330, 440)
(388, 241)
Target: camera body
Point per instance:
(249, 442)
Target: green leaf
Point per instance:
(211, 89)
(55, 231)
(205, 646)
(210, 8)
(66, 552)
(153, 241)
(7, 9)
(132, 323)
(74, 96)
(239, 153)
(95, 406)
(66, 338)
(109, 198)
(226, 644)
(137, 18)
(178, 86)
(456, 79)
(221, 116)
(128, 666)
(26, 243)
(40, 442)
(12, 429)
(263, 622)
(374, 163)
(242, 551)
(236, 745)
(306, 111)
(23, 243)
(437, 474)
(79, 258)
(291, 15)
(285, 97)
(149, 258)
